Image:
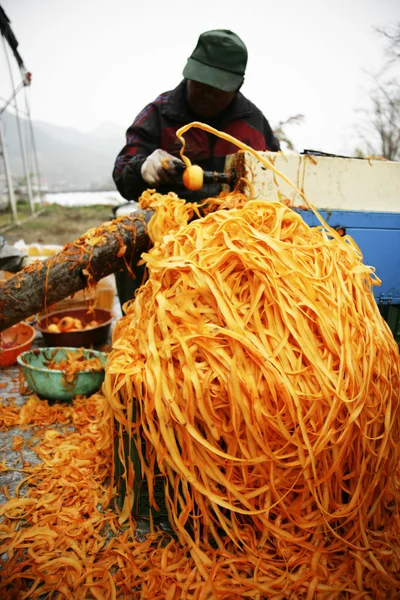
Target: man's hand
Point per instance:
(159, 168)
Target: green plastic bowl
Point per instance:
(49, 383)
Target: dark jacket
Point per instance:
(156, 126)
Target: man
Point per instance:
(213, 76)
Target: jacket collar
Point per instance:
(177, 109)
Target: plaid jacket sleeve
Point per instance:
(142, 138)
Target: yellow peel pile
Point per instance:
(266, 385)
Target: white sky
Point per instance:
(95, 61)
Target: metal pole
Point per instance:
(21, 140)
(7, 171)
(33, 142)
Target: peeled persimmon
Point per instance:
(92, 324)
(193, 177)
(66, 324)
(70, 324)
(78, 324)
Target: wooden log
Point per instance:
(98, 253)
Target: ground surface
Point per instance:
(55, 224)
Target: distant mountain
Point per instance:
(68, 159)
(107, 130)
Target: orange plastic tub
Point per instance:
(13, 341)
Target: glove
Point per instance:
(159, 168)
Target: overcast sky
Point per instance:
(96, 61)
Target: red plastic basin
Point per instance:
(14, 341)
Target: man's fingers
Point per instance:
(160, 167)
(150, 175)
(174, 166)
(162, 173)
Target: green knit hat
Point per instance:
(219, 60)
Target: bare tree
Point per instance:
(391, 35)
(379, 129)
(280, 129)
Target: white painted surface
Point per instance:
(328, 182)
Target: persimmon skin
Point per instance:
(193, 178)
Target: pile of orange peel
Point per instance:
(254, 374)
(61, 538)
(266, 385)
